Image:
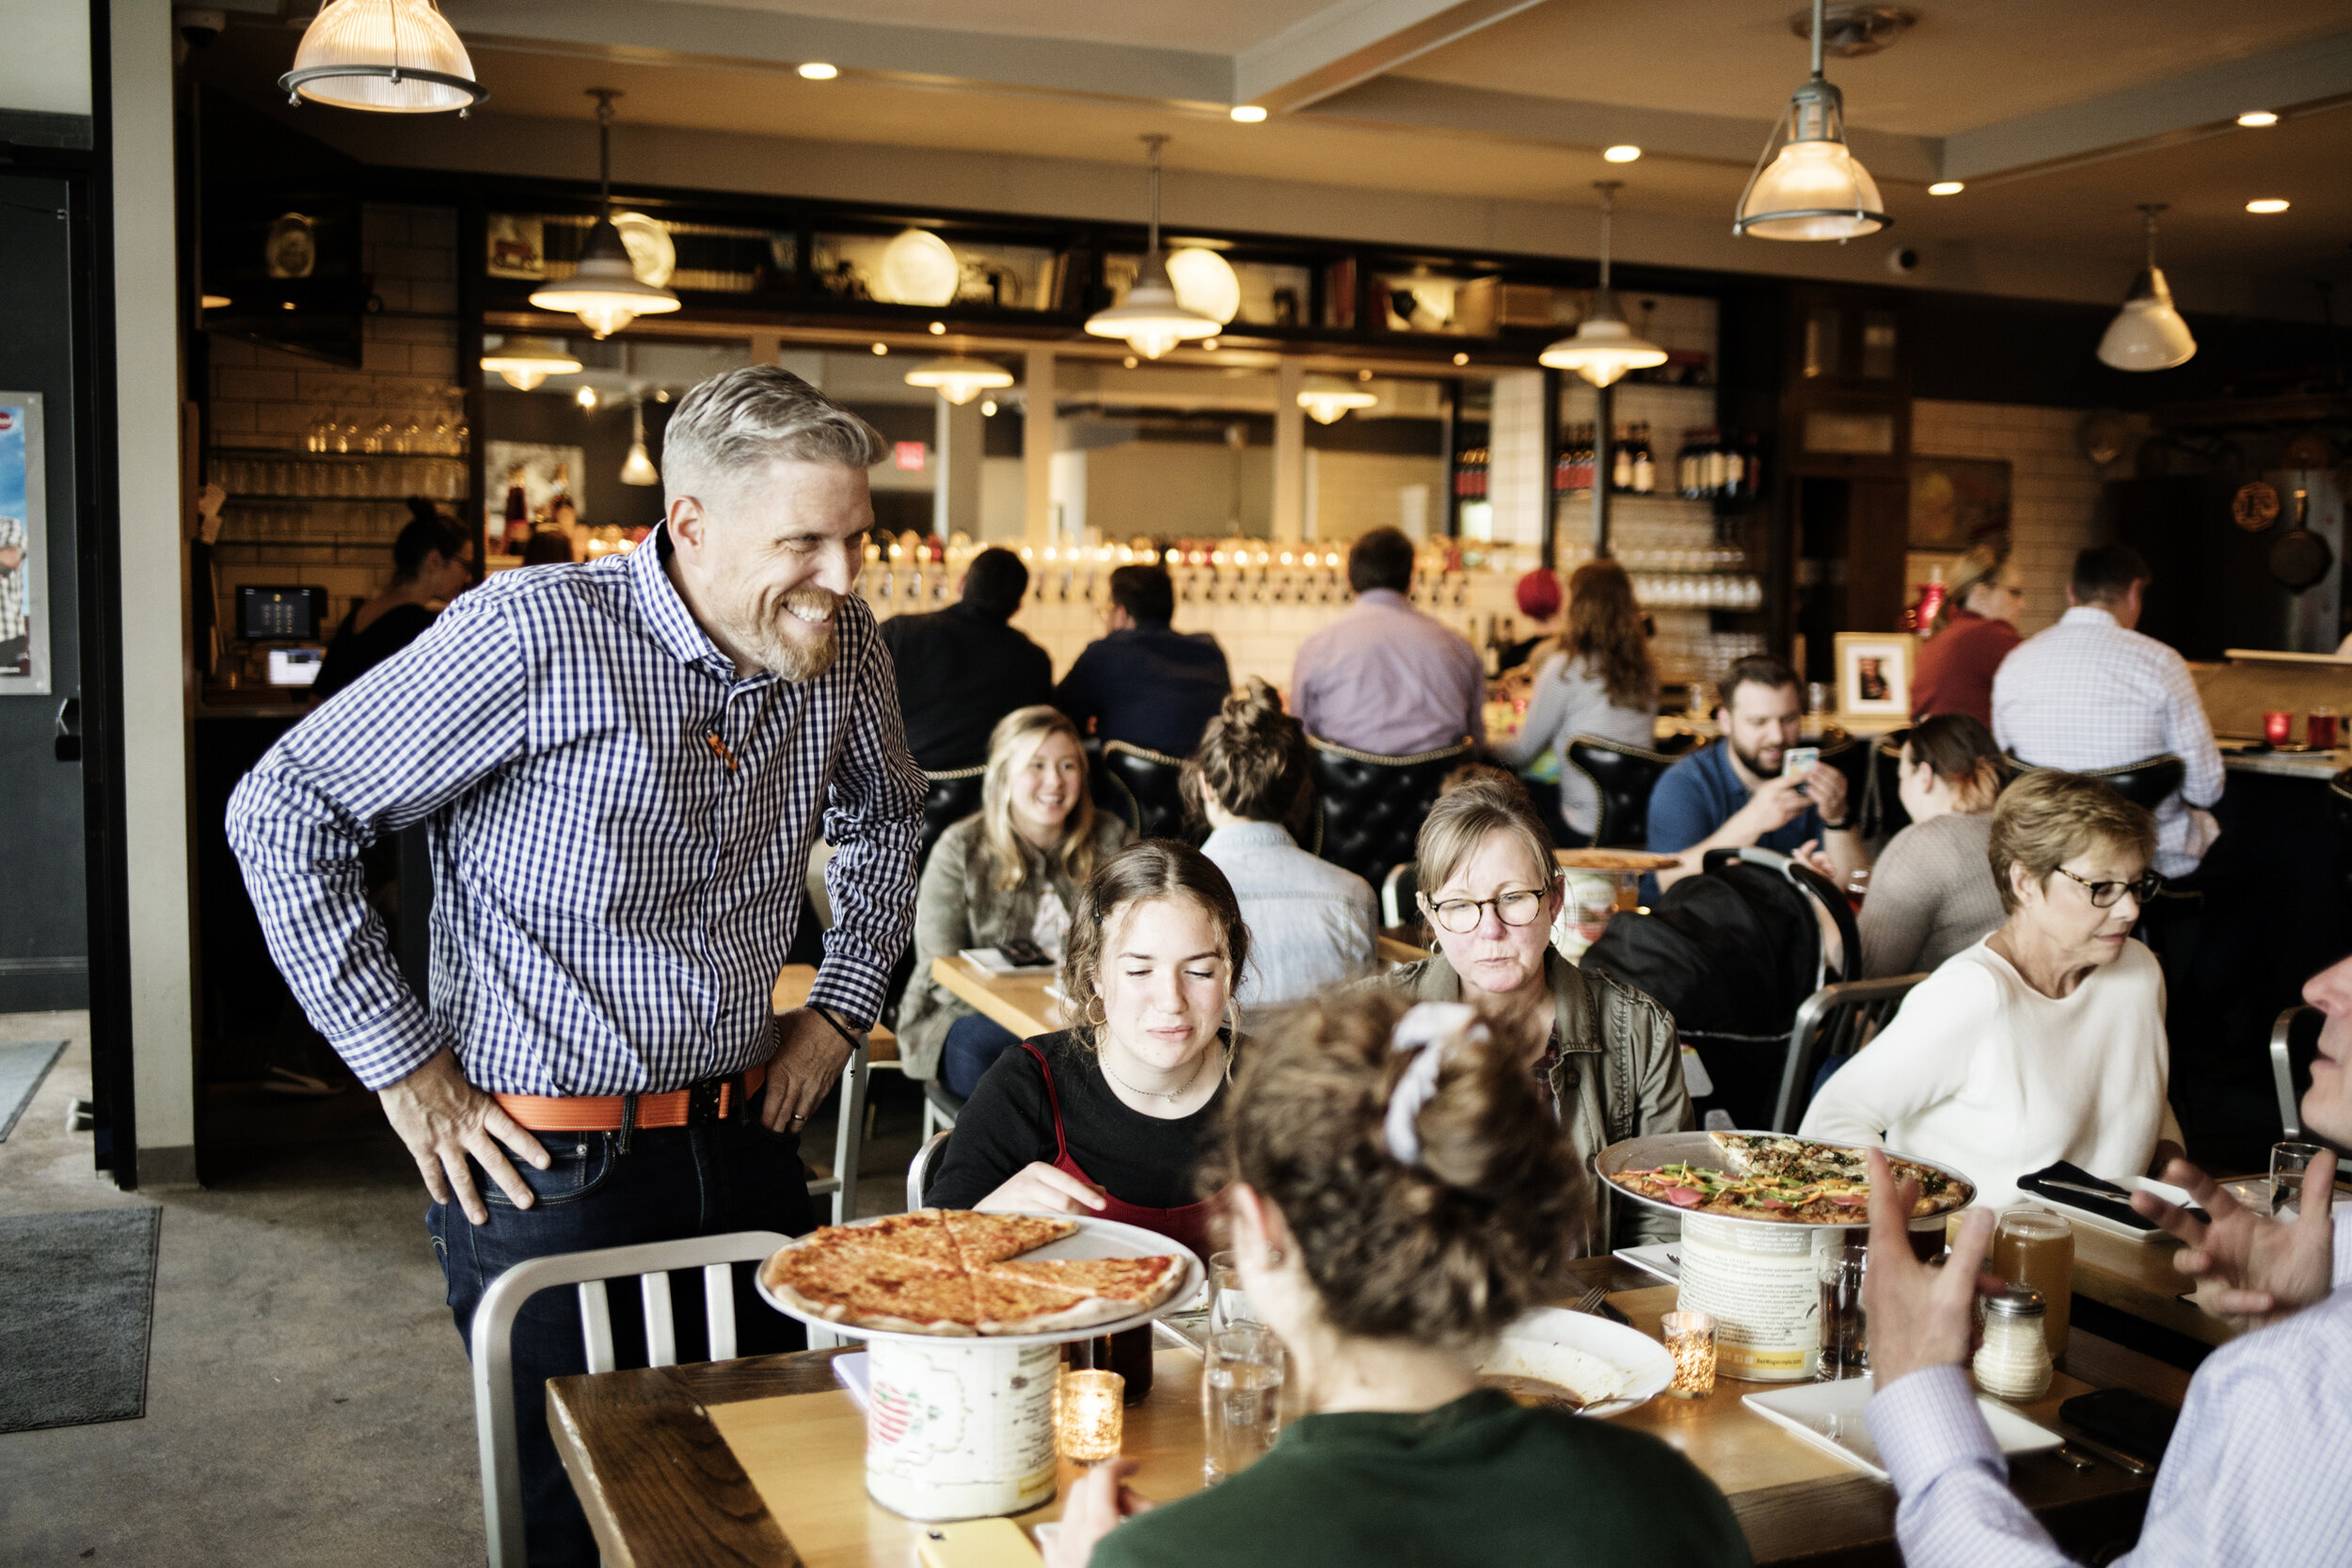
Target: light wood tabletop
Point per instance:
(1022, 1002)
(761, 1461)
(2138, 1277)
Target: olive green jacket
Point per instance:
(960, 906)
(1619, 1076)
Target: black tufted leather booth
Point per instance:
(1149, 779)
(954, 795)
(1624, 775)
(1373, 806)
(2150, 781)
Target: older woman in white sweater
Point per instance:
(2045, 1040)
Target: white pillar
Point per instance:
(157, 671)
(1290, 451)
(1516, 482)
(962, 441)
(1037, 446)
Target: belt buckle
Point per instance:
(702, 1099)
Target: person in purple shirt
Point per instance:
(1144, 682)
(1385, 678)
(2256, 1472)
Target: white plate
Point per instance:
(2114, 1226)
(1828, 1416)
(1095, 1239)
(1663, 1259)
(1552, 1343)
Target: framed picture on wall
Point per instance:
(24, 549)
(1874, 672)
(1958, 502)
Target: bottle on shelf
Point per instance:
(1621, 460)
(1645, 463)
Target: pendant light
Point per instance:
(1816, 189)
(638, 468)
(605, 292)
(391, 56)
(1152, 320)
(959, 379)
(525, 362)
(1604, 347)
(1326, 399)
(2148, 334)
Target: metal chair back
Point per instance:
(1835, 1020)
(493, 1346)
(919, 1169)
(2294, 1046)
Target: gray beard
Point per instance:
(796, 660)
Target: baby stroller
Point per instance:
(1732, 953)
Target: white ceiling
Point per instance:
(1212, 26)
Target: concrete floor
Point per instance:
(308, 1401)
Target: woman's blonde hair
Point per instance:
(1464, 815)
(1443, 1251)
(1154, 868)
(2048, 817)
(1978, 567)
(1605, 632)
(1011, 744)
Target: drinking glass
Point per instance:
(1228, 1303)
(1240, 1399)
(2288, 1161)
(1690, 1340)
(1845, 1333)
(2035, 1247)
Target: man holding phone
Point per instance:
(2255, 1472)
(1756, 786)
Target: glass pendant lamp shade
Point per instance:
(2148, 334)
(638, 468)
(1151, 318)
(1205, 283)
(605, 293)
(1604, 347)
(1814, 188)
(1327, 399)
(525, 362)
(391, 56)
(958, 379)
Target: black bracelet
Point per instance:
(1837, 827)
(856, 1037)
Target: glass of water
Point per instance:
(1845, 1341)
(1240, 1399)
(2288, 1161)
(1228, 1303)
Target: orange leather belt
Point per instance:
(605, 1113)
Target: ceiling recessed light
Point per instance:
(939, 329)
(1129, 362)
(817, 70)
(2267, 204)
(1461, 358)
(1208, 342)
(1624, 152)
(881, 348)
(1947, 187)
(2255, 118)
(1249, 114)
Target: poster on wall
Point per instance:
(24, 549)
(543, 472)
(1957, 502)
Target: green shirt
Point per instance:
(1479, 1482)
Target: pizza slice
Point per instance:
(984, 1239)
(1136, 1284)
(873, 1288)
(1008, 1304)
(922, 1233)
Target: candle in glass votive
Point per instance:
(2278, 728)
(1090, 1417)
(1690, 1340)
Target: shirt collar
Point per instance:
(2087, 615)
(1251, 835)
(672, 625)
(1380, 595)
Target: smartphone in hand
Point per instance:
(1798, 761)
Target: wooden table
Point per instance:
(761, 1461)
(2138, 1277)
(1022, 1002)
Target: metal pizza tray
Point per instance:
(1095, 1239)
(1698, 1150)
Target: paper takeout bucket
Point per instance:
(959, 1429)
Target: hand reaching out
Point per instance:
(1040, 1187)
(2248, 1266)
(1919, 1316)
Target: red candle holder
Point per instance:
(2278, 728)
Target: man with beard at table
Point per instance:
(621, 766)
(2259, 1470)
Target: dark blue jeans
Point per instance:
(669, 1184)
(974, 1042)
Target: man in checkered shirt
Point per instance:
(621, 766)
(16, 625)
(2092, 692)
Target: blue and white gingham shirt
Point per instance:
(2259, 1471)
(2088, 693)
(612, 899)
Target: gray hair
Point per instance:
(737, 422)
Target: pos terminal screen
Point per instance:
(280, 614)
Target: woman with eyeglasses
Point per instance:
(2045, 1040)
(1973, 631)
(1604, 1056)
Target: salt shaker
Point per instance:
(2013, 1363)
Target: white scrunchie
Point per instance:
(1424, 1028)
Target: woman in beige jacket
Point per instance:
(1605, 1054)
(1011, 872)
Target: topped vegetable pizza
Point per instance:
(1774, 1176)
(954, 1271)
